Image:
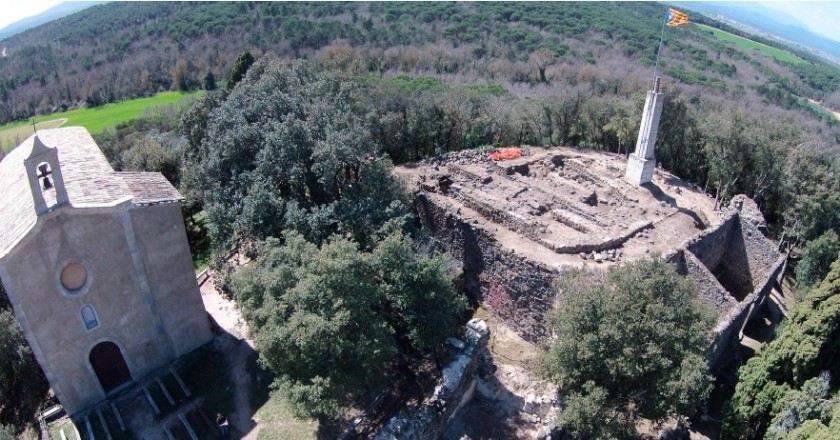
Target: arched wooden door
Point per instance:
(110, 367)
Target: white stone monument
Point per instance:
(640, 164)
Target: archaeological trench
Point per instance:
(516, 224)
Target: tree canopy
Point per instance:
(816, 259)
(22, 384)
(327, 321)
(287, 149)
(627, 343)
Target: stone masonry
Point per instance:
(516, 224)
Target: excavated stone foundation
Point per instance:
(516, 224)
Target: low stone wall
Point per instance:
(518, 290)
(610, 243)
(428, 420)
(530, 229)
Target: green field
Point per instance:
(94, 119)
(750, 45)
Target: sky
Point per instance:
(16, 10)
(821, 17)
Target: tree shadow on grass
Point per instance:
(276, 416)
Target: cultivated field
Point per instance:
(750, 45)
(94, 119)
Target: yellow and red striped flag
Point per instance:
(676, 18)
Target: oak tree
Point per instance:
(332, 322)
(627, 344)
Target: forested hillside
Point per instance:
(447, 76)
(288, 156)
(123, 50)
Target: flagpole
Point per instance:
(661, 36)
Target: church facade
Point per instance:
(96, 265)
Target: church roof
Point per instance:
(149, 188)
(88, 177)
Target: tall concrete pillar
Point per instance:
(640, 164)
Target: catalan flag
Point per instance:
(676, 18)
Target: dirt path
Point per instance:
(835, 113)
(239, 348)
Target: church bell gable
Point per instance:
(45, 180)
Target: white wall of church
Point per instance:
(140, 283)
(162, 239)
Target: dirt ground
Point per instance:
(833, 112)
(509, 402)
(239, 348)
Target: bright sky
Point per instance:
(821, 17)
(16, 10)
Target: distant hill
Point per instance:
(124, 50)
(61, 10)
(769, 22)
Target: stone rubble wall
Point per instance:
(515, 222)
(610, 243)
(710, 245)
(455, 389)
(762, 256)
(525, 286)
(739, 247)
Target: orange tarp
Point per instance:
(505, 153)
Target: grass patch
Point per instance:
(819, 110)
(94, 119)
(56, 426)
(750, 45)
(275, 415)
(11, 137)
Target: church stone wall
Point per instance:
(104, 240)
(162, 240)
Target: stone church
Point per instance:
(96, 265)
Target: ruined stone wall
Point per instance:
(762, 256)
(530, 229)
(735, 268)
(707, 285)
(429, 420)
(733, 264)
(710, 245)
(518, 290)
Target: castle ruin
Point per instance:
(516, 224)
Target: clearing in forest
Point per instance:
(12, 137)
(750, 45)
(93, 119)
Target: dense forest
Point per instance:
(447, 76)
(123, 50)
(288, 155)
